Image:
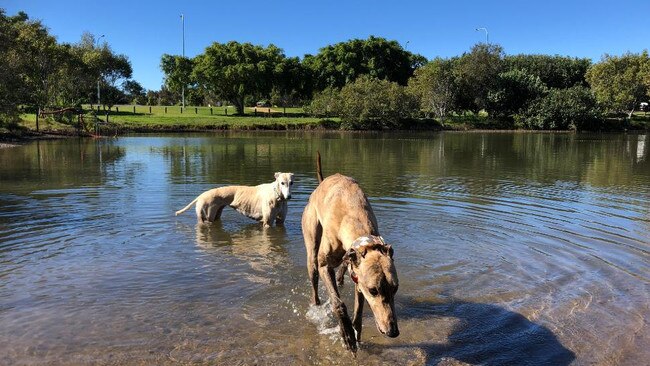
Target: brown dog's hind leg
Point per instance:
(312, 232)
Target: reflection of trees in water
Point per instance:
(53, 164)
(487, 334)
(393, 162)
(263, 249)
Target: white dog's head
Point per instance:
(284, 181)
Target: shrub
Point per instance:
(324, 104)
(370, 104)
(563, 109)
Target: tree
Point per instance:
(476, 74)
(435, 87)
(178, 72)
(12, 90)
(290, 82)
(572, 108)
(618, 81)
(342, 63)
(234, 71)
(514, 90)
(554, 71)
(134, 92)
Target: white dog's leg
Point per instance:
(282, 215)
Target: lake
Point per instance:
(511, 248)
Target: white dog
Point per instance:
(264, 202)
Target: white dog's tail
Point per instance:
(187, 207)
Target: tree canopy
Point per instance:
(234, 71)
(620, 82)
(341, 63)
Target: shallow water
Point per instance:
(511, 248)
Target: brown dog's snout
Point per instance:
(393, 332)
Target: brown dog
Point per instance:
(340, 228)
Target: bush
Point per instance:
(324, 104)
(514, 91)
(371, 104)
(563, 109)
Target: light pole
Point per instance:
(183, 90)
(487, 40)
(98, 99)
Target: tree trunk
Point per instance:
(629, 115)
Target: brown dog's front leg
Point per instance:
(339, 308)
(357, 318)
(340, 275)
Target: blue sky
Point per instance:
(144, 30)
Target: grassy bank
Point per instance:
(128, 118)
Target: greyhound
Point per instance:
(264, 202)
(340, 228)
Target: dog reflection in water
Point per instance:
(263, 250)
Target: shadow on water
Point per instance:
(487, 334)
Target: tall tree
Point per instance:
(618, 81)
(341, 63)
(178, 72)
(12, 90)
(290, 82)
(435, 86)
(234, 71)
(514, 90)
(476, 73)
(554, 71)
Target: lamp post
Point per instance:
(487, 40)
(98, 98)
(183, 90)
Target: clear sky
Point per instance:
(144, 30)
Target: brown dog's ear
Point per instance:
(389, 250)
(351, 257)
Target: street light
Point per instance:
(98, 99)
(487, 40)
(183, 91)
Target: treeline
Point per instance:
(369, 83)
(376, 84)
(38, 72)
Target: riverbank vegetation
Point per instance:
(371, 83)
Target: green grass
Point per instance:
(155, 118)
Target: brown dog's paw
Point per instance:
(349, 340)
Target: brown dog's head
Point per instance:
(371, 266)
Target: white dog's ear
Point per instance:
(277, 174)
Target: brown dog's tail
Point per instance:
(319, 170)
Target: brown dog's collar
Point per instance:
(365, 240)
